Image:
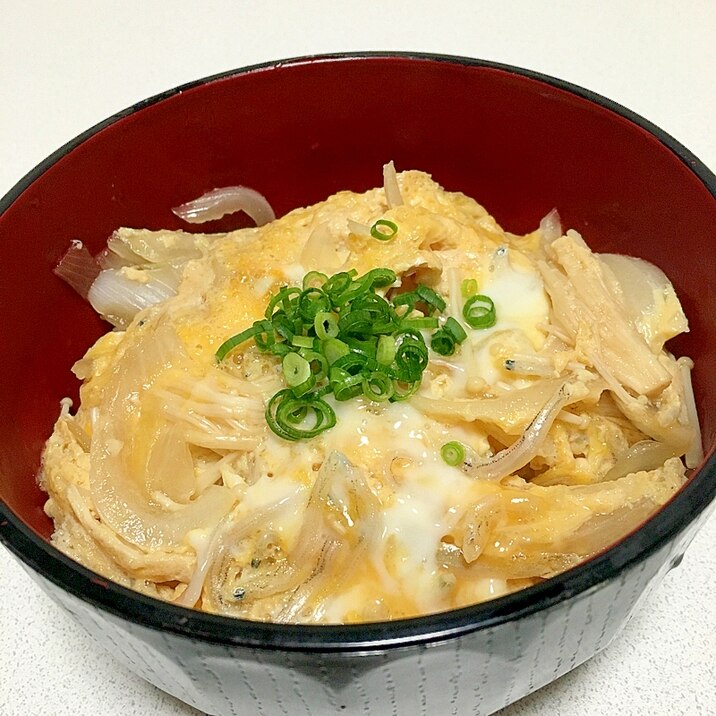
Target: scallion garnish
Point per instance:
(450, 335)
(468, 287)
(296, 369)
(296, 418)
(260, 327)
(314, 279)
(385, 350)
(453, 453)
(479, 312)
(378, 386)
(383, 230)
(340, 335)
(455, 330)
(326, 325)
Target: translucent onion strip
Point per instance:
(390, 184)
(695, 454)
(358, 229)
(78, 267)
(120, 495)
(118, 296)
(226, 200)
(550, 227)
(641, 456)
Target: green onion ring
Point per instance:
(453, 453)
(468, 287)
(479, 311)
(296, 369)
(443, 343)
(325, 325)
(377, 233)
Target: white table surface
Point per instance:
(66, 65)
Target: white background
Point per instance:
(66, 65)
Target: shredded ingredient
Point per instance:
(226, 200)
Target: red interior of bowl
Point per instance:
(302, 130)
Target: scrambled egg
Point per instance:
(168, 480)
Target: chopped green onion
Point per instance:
(378, 386)
(479, 312)
(354, 363)
(409, 299)
(284, 298)
(333, 349)
(317, 361)
(326, 325)
(367, 347)
(228, 345)
(455, 330)
(453, 453)
(443, 343)
(313, 301)
(411, 357)
(314, 279)
(427, 295)
(296, 370)
(285, 415)
(417, 324)
(283, 327)
(280, 349)
(344, 385)
(357, 322)
(423, 295)
(404, 389)
(383, 230)
(302, 388)
(468, 287)
(302, 341)
(340, 335)
(337, 284)
(385, 351)
(381, 277)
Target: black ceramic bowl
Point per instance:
(520, 143)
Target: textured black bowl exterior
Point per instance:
(473, 660)
(479, 672)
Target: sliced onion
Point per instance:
(170, 466)
(550, 227)
(226, 200)
(695, 454)
(119, 491)
(358, 229)
(649, 299)
(156, 247)
(120, 249)
(320, 250)
(78, 267)
(107, 259)
(390, 183)
(517, 455)
(642, 456)
(602, 530)
(118, 298)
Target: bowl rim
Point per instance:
(671, 520)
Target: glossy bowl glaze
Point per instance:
(521, 144)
